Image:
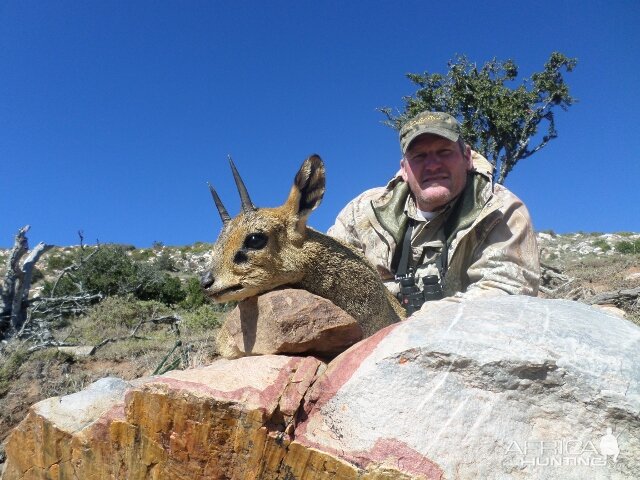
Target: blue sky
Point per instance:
(115, 114)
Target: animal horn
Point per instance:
(247, 205)
(224, 215)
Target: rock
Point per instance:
(506, 387)
(221, 421)
(77, 352)
(43, 445)
(612, 310)
(632, 277)
(289, 321)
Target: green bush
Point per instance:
(627, 247)
(36, 275)
(165, 262)
(195, 296)
(602, 243)
(58, 262)
(141, 255)
(111, 271)
(66, 286)
(157, 285)
(205, 317)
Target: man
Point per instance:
(441, 228)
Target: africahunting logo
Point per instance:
(565, 451)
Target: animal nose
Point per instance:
(207, 280)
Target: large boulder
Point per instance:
(507, 387)
(222, 421)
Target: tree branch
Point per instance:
(616, 297)
(12, 273)
(21, 295)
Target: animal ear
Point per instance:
(308, 188)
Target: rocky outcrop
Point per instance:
(223, 421)
(597, 244)
(509, 387)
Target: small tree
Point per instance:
(498, 121)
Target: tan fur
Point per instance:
(300, 257)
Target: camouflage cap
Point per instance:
(437, 123)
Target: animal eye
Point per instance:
(255, 241)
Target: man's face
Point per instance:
(436, 170)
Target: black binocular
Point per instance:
(412, 298)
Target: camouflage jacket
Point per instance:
(492, 249)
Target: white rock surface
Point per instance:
(74, 412)
(78, 352)
(509, 387)
(611, 309)
(582, 244)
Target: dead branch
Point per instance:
(553, 282)
(21, 295)
(57, 307)
(616, 297)
(13, 272)
(17, 283)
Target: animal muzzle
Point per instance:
(207, 280)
